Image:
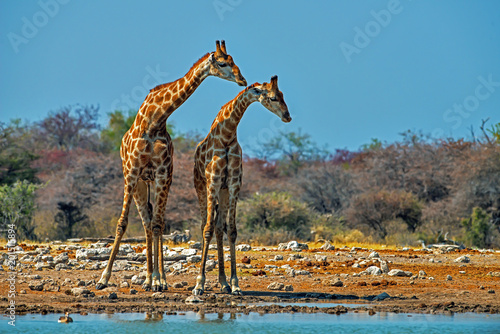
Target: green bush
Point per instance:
(274, 217)
(17, 206)
(478, 228)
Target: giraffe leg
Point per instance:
(163, 277)
(208, 232)
(232, 234)
(121, 227)
(162, 188)
(220, 227)
(145, 211)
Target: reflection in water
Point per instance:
(154, 316)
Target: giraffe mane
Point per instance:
(240, 93)
(198, 62)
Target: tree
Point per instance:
(17, 206)
(292, 150)
(70, 221)
(71, 127)
(16, 153)
(327, 188)
(118, 124)
(478, 228)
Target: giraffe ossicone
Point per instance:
(147, 159)
(218, 175)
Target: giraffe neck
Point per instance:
(164, 99)
(230, 115)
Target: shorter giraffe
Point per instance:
(218, 173)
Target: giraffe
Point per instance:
(218, 174)
(147, 155)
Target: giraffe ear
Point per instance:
(217, 48)
(223, 47)
(274, 81)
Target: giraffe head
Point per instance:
(271, 97)
(223, 66)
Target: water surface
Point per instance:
(299, 323)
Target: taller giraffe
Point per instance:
(147, 157)
(218, 173)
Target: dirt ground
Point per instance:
(472, 287)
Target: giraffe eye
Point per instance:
(222, 64)
(273, 98)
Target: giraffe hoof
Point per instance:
(164, 287)
(156, 288)
(225, 289)
(100, 286)
(146, 287)
(197, 292)
(237, 292)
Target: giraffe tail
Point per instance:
(150, 206)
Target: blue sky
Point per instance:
(349, 70)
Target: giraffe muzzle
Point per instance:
(286, 117)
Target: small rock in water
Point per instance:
(193, 300)
(113, 295)
(289, 287)
(124, 285)
(449, 278)
(278, 258)
(382, 296)
(133, 291)
(422, 274)
(399, 272)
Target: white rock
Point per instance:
(463, 259)
(210, 265)
(243, 248)
(189, 252)
(327, 246)
(292, 244)
(276, 286)
(136, 280)
(278, 258)
(373, 255)
(373, 270)
(193, 259)
(399, 272)
(384, 267)
(321, 258)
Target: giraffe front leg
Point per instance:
(155, 277)
(208, 232)
(121, 227)
(146, 286)
(224, 286)
(232, 234)
(163, 277)
(220, 227)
